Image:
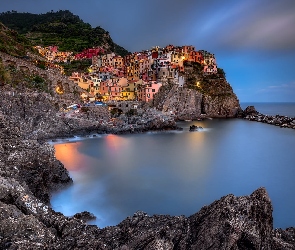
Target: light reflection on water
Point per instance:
(178, 172)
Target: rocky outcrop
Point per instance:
(229, 223)
(183, 102)
(251, 114)
(190, 104)
(250, 110)
(220, 105)
(70, 91)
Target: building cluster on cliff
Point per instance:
(137, 76)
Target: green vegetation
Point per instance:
(221, 72)
(37, 82)
(5, 77)
(210, 84)
(76, 66)
(61, 28)
(13, 43)
(41, 64)
(22, 79)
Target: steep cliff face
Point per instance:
(183, 102)
(220, 106)
(201, 96)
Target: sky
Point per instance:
(253, 40)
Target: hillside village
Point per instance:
(137, 76)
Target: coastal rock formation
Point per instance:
(190, 104)
(229, 223)
(183, 102)
(250, 110)
(54, 79)
(220, 105)
(251, 114)
(201, 96)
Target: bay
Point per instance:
(178, 172)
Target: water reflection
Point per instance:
(178, 172)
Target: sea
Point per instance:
(179, 172)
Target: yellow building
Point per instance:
(127, 89)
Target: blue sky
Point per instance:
(253, 40)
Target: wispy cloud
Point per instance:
(277, 88)
(252, 25)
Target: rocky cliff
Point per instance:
(203, 95)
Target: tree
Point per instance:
(220, 71)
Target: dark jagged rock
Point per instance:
(250, 110)
(85, 216)
(251, 114)
(194, 128)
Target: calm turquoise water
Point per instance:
(179, 172)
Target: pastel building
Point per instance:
(128, 89)
(146, 91)
(104, 90)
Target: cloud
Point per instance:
(277, 88)
(267, 25)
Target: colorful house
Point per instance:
(147, 90)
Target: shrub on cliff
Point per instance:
(4, 75)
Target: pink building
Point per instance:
(89, 53)
(104, 89)
(147, 91)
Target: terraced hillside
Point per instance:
(61, 28)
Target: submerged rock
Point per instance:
(195, 128)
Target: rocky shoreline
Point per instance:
(30, 172)
(251, 114)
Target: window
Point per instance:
(153, 90)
